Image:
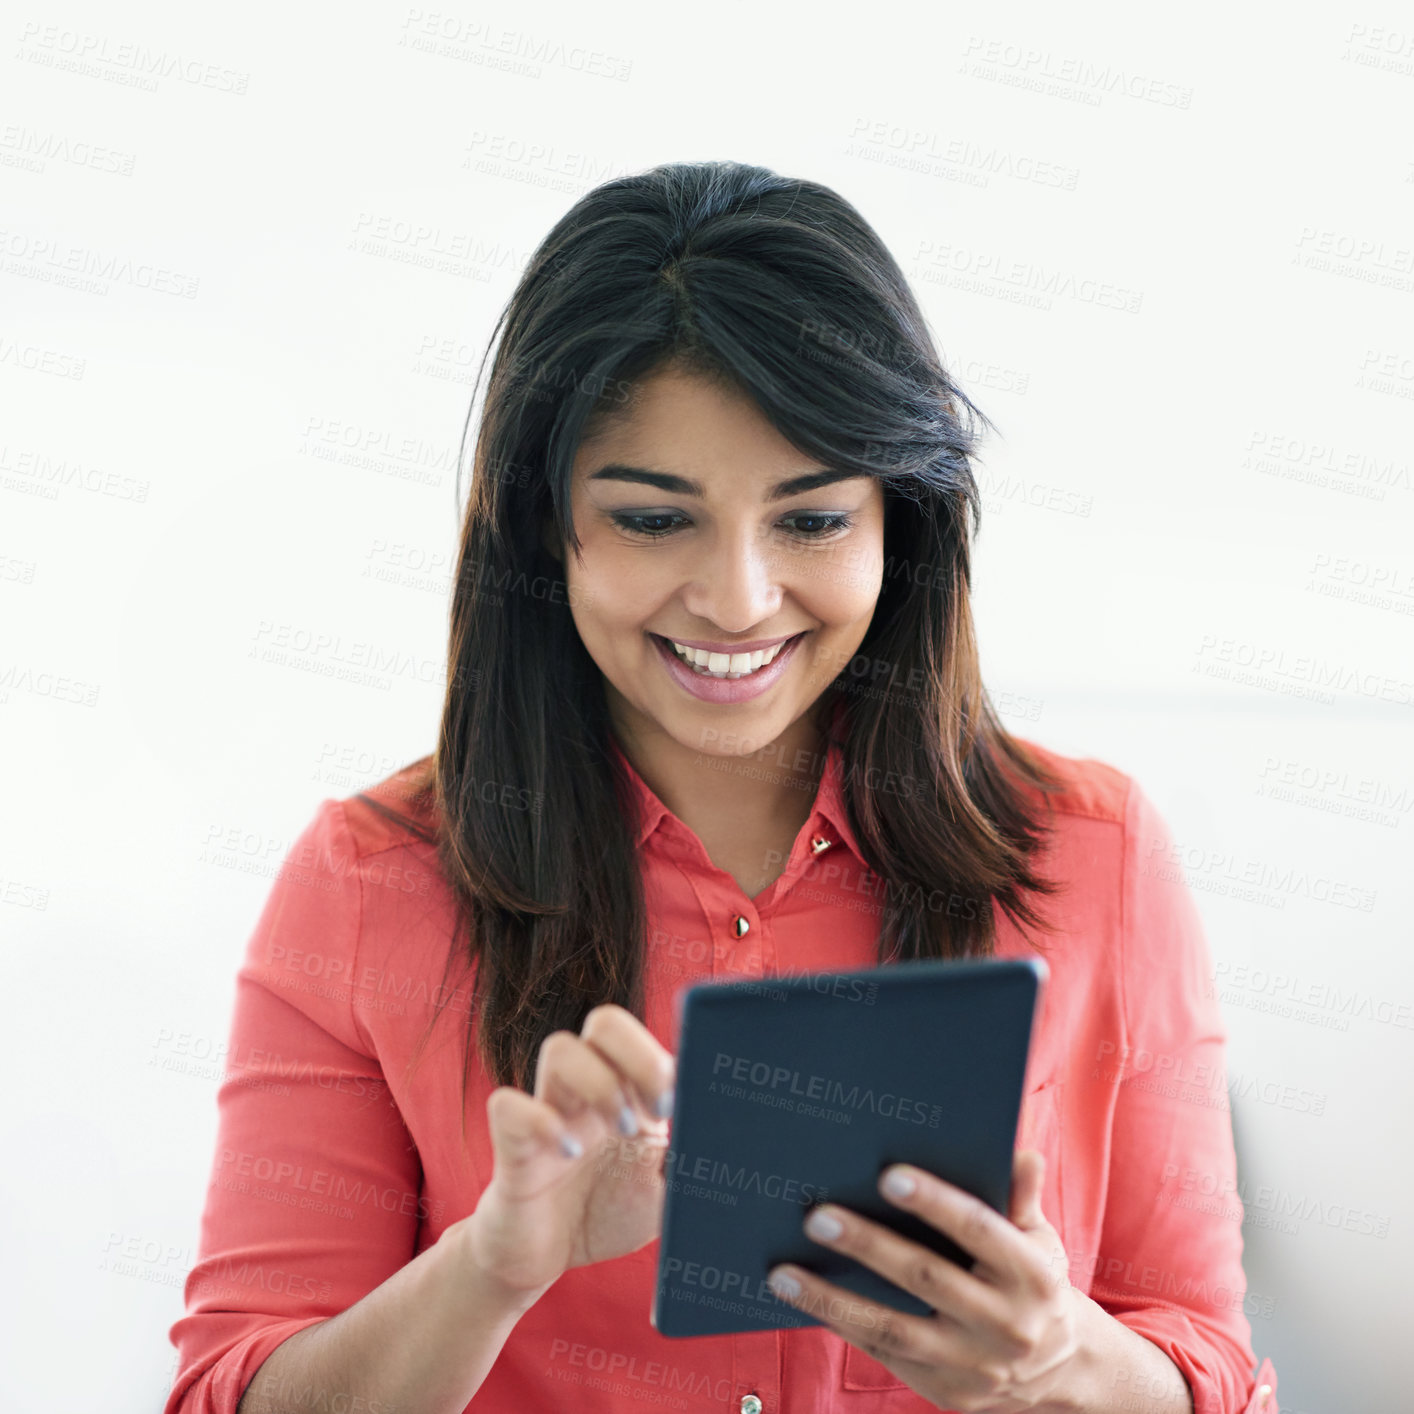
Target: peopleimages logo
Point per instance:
(735, 1076)
(686, 1171)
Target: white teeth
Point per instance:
(723, 665)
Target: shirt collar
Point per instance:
(830, 814)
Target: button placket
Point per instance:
(756, 1371)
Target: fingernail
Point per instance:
(628, 1121)
(823, 1224)
(570, 1147)
(663, 1107)
(898, 1184)
(783, 1284)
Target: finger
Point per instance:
(523, 1132)
(572, 1076)
(1027, 1175)
(628, 1045)
(1004, 1254)
(953, 1293)
(916, 1348)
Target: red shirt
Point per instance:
(331, 1171)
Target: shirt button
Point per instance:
(820, 844)
(750, 1404)
(1263, 1395)
(740, 927)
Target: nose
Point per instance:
(735, 583)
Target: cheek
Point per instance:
(843, 594)
(613, 587)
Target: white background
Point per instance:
(1196, 561)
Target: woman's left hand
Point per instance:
(1002, 1336)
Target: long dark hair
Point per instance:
(781, 288)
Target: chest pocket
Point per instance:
(1038, 1127)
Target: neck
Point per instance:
(769, 789)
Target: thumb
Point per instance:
(1027, 1175)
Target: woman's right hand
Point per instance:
(545, 1211)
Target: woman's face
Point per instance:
(694, 531)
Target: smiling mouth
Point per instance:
(727, 665)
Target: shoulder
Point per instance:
(398, 812)
(1089, 788)
(381, 835)
(1115, 845)
(359, 879)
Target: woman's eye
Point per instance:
(824, 524)
(644, 524)
(655, 524)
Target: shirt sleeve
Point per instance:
(314, 1198)
(1170, 1260)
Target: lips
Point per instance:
(722, 689)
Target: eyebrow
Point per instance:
(684, 486)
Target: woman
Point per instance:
(713, 710)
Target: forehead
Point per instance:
(691, 425)
(647, 404)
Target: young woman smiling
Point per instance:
(713, 710)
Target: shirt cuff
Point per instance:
(1217, 1387)
(218, 1388)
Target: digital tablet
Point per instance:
(791, 1091)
